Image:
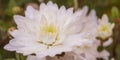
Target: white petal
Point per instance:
(19, 19)
(85, 9)
(92, 15)
(9, 47)
(108, 42)
(42, 5)
(70, 11)
(105, 18)
(30, 12)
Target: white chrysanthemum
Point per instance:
(105, 28)
(46, 32)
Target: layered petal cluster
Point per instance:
(47, 31)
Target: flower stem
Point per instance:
(17, 56)
(75, 4)
(20, 57)
(116, 37)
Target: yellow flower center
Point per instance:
(49, 30)
(104, 28)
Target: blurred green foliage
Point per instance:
(8, 8)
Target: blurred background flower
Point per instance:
(8, 8)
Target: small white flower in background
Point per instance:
(47, 31)
(105, 27)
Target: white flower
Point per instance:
(46, 32)
(105, 28)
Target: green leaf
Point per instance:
(20, 57)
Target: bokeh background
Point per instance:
(8, 8)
